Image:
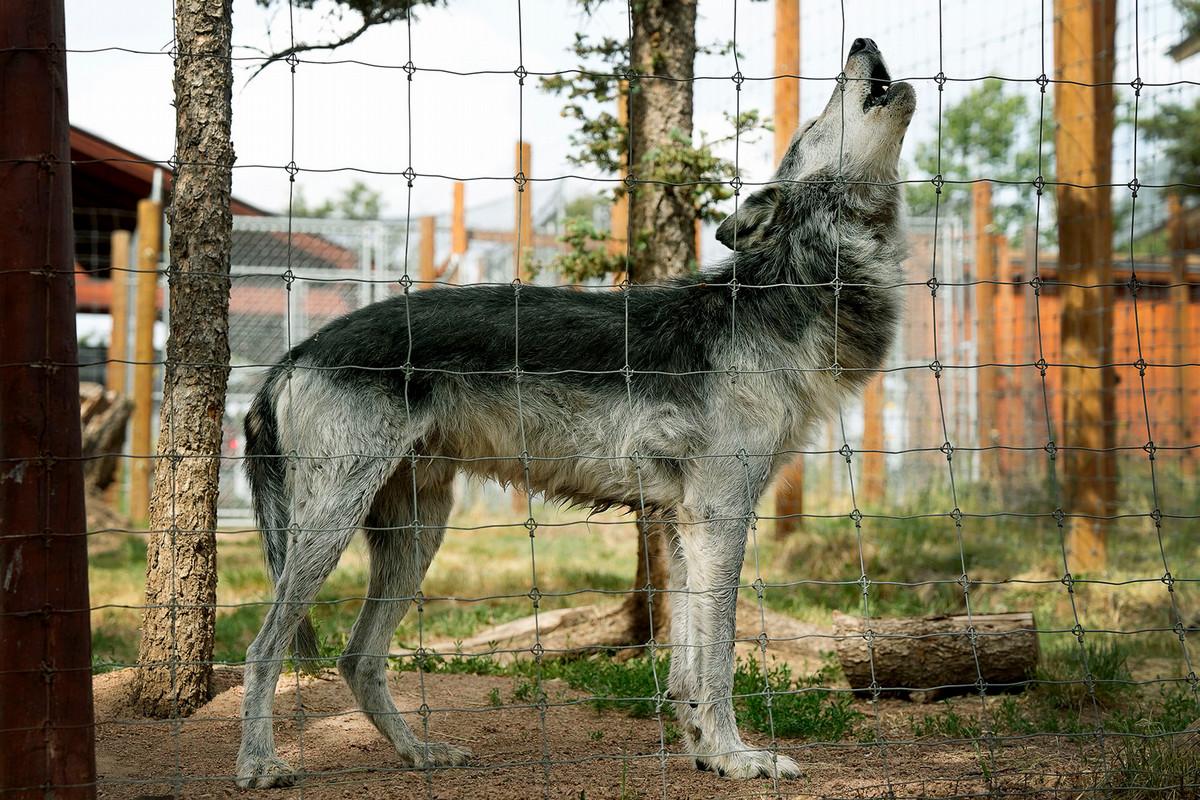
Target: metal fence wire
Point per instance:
(934, 506)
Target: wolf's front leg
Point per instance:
(714, 546)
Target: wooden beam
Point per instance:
(1180, 301)
(429, 272)
(985, 313)
(1084, 41)
(787, 62)
(149, 237)
(510, 237)
(523, 211)
(789, 492)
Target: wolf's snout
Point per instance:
(864, 44)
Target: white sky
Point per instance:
(349, 117)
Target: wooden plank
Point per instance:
(149, 237)
(789, 491)
(1084, 41)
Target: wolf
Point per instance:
(680, 400)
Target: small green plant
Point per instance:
(795, 708)
(494, 699)
(1062, 681)
(596, 735)
(948, 724)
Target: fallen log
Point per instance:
(927, 658)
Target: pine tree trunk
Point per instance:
(663, 223)
(181, 575)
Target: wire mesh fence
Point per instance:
(948, 509)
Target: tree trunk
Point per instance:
(181, 575)
(663, 222)
(933, 657)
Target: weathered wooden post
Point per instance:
(1084, 36)
(985, 316)
(46, 728)
(429, 271)
(149, 242)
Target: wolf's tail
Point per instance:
(266, 469)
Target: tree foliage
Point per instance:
(991, 133)
(1175, 126)
(358, 201)
(1190, 11)
(367, 13)
(591, 94)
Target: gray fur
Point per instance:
(677, 399)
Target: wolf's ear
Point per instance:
(748, 225)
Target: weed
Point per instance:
(792, 708)
(494, 699)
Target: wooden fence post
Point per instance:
(1180, 301)
(116, 372)
(985, 316)
(458, 221)
(429, 272)
(789, 489)
(1084, 41)
(523, 211)
(149, 238)
(874, 479)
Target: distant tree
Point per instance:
(1190, 11)
(368, 14)
(358, 201)
(683, 175)
(992, 134)
(1175, 126)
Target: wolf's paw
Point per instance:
(749, 764)
(264, 772)
(436, 754)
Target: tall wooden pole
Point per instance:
(523, 242)
(523, 211)
(1084, 37)
(1180, 333)
(46, 725)
(787, 62)
(118, 342)
(149, 237)
(789, 489)
(985, 312)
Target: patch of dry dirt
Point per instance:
(587, 754)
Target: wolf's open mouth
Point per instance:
(880, 82)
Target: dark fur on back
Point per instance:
(667, 330)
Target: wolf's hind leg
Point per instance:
(400, 557)
(331, 501)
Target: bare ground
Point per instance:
(586, 754)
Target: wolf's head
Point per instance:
(856, 139)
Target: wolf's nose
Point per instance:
(864, 44)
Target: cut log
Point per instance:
(930, 657)
(104, 415)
